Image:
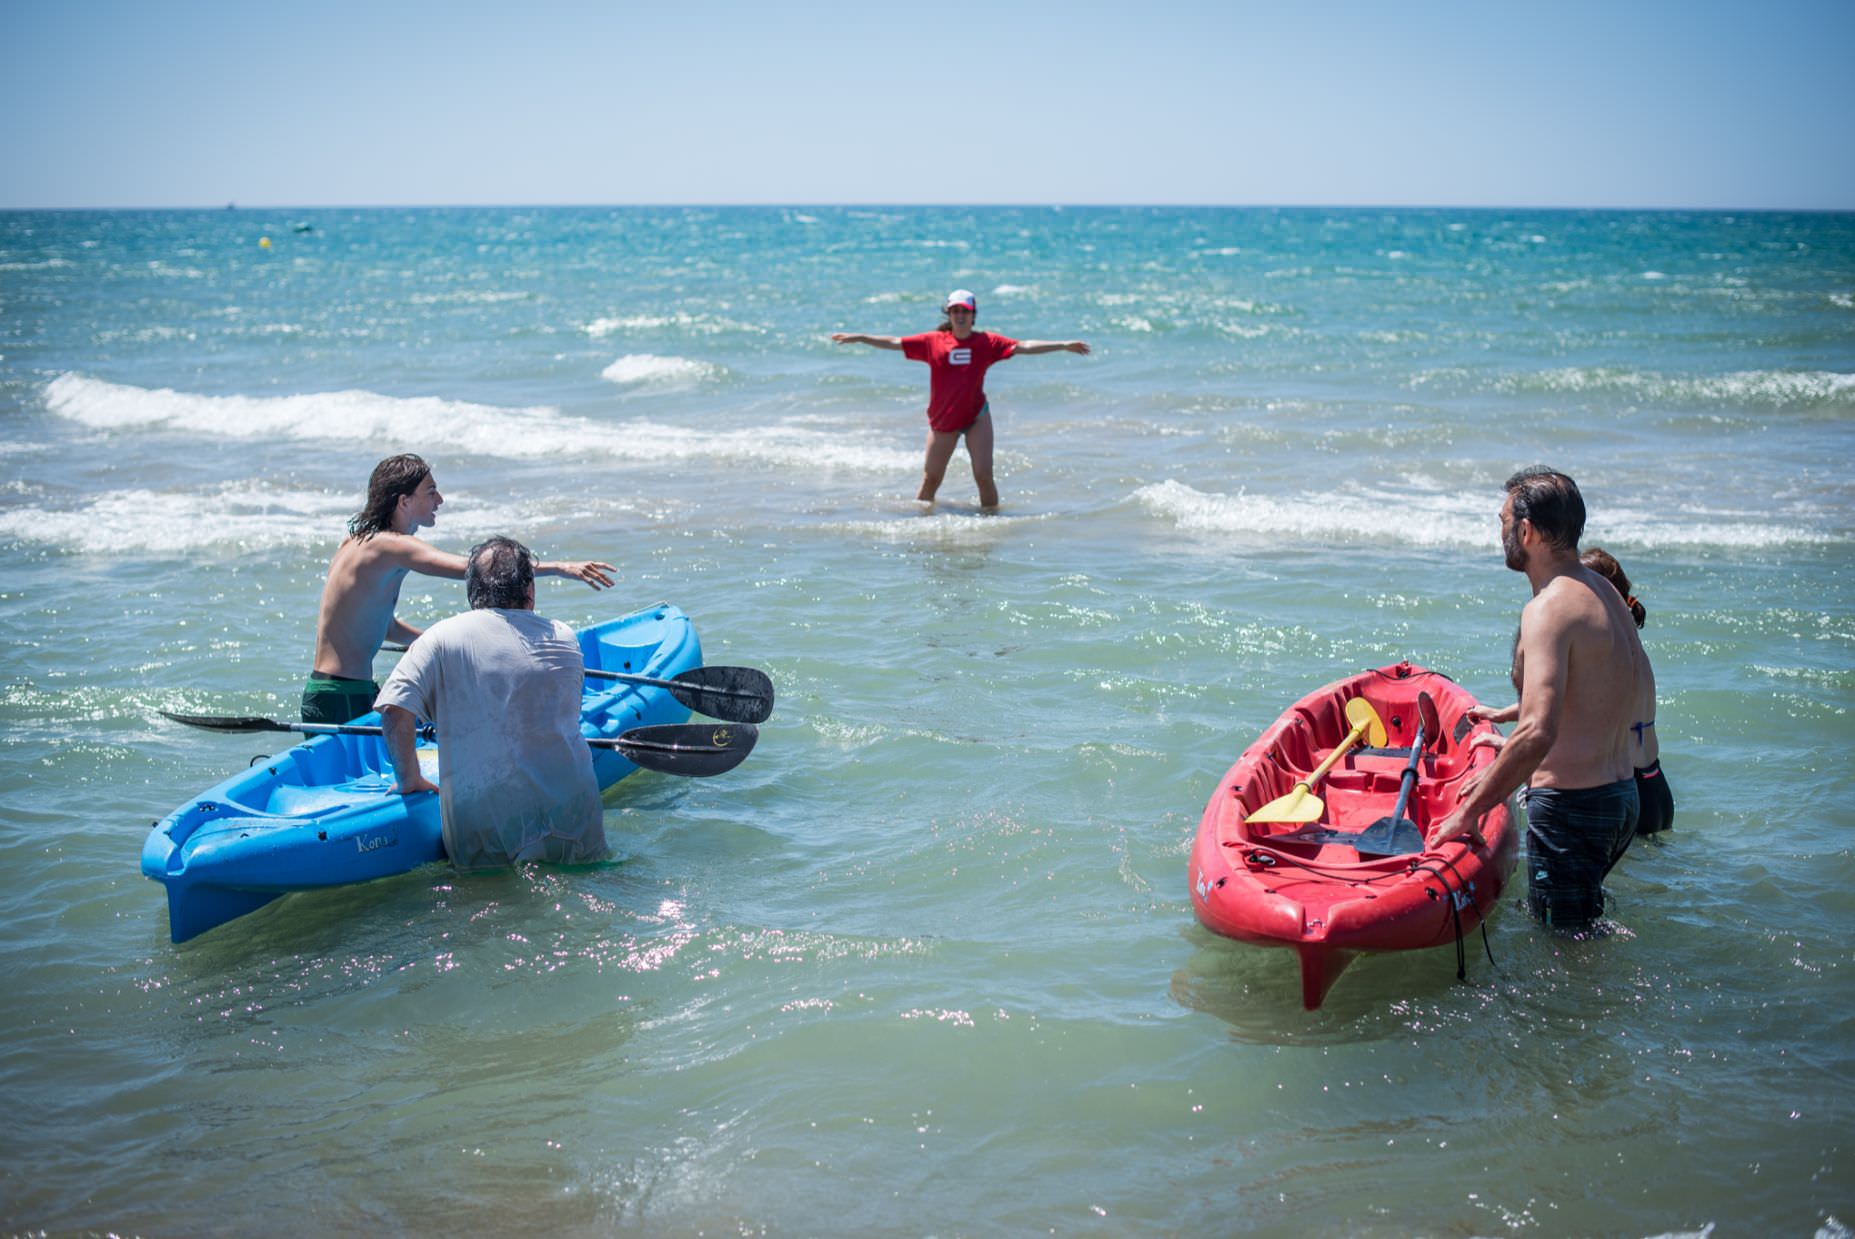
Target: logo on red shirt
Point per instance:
(960, 357)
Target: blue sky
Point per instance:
(203, 102)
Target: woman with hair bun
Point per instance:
(1658, 803)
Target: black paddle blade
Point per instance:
(690, 749)
(1385, 837)
(224, 722)
(1390, 836)
(1428, 720)
(737, 694)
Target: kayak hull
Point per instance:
(1310, 886)
(322, 813)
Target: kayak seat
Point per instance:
(613, 656)
(1364, 782)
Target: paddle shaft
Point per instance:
(1409, 781)
(738, 694)
(1426, 715)
(626, 677)
(688, 749)
(1339, 751)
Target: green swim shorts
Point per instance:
(336, 698)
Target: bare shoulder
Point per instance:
(1548, 610)
(388, 547)
(387, 551)
(1570, 599)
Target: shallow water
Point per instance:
(926, 963)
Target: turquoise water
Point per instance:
(926, 965)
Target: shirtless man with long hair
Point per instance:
(362, 591)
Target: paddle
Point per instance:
(1300, 804)
(737, 694)
(249, 722)
(1397, 835)
(693, 749)
(690, 749)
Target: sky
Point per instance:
(1620, 103)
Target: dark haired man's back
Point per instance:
(1581, 671)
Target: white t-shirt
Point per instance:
(515, 777)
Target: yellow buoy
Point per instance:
(264, 243)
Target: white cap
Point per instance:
(960, 296)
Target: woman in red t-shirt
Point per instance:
(957, 358)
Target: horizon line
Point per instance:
(878, 205)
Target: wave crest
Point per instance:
(650, 370)
(1776, 389)
(428, 425)
(1440, 519)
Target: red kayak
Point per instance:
(1303, 844)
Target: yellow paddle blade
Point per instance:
(1300, 804)
(1359, 711)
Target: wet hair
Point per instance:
(1550, 500)
(501, 574)
(1602, 562)
(392, 478)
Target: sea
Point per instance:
(926, 964)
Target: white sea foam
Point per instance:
(941, 528)
(235, 518)
(650, 370)
(143, 522)
(431, 425)
(1745, 388)
(481, 296)
(1443, 518)
(1243, 331)
(1329, 516)
(147, 335)
(1010, 290)
(693, 324)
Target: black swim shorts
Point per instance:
(1574, 836)
(1658, 802)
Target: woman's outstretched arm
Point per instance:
(851, 337)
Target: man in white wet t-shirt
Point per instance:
(501, 686)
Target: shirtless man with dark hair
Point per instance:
(364, 577)
(1580, 669)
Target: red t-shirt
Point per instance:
(956, 373)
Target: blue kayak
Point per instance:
(322, 813)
